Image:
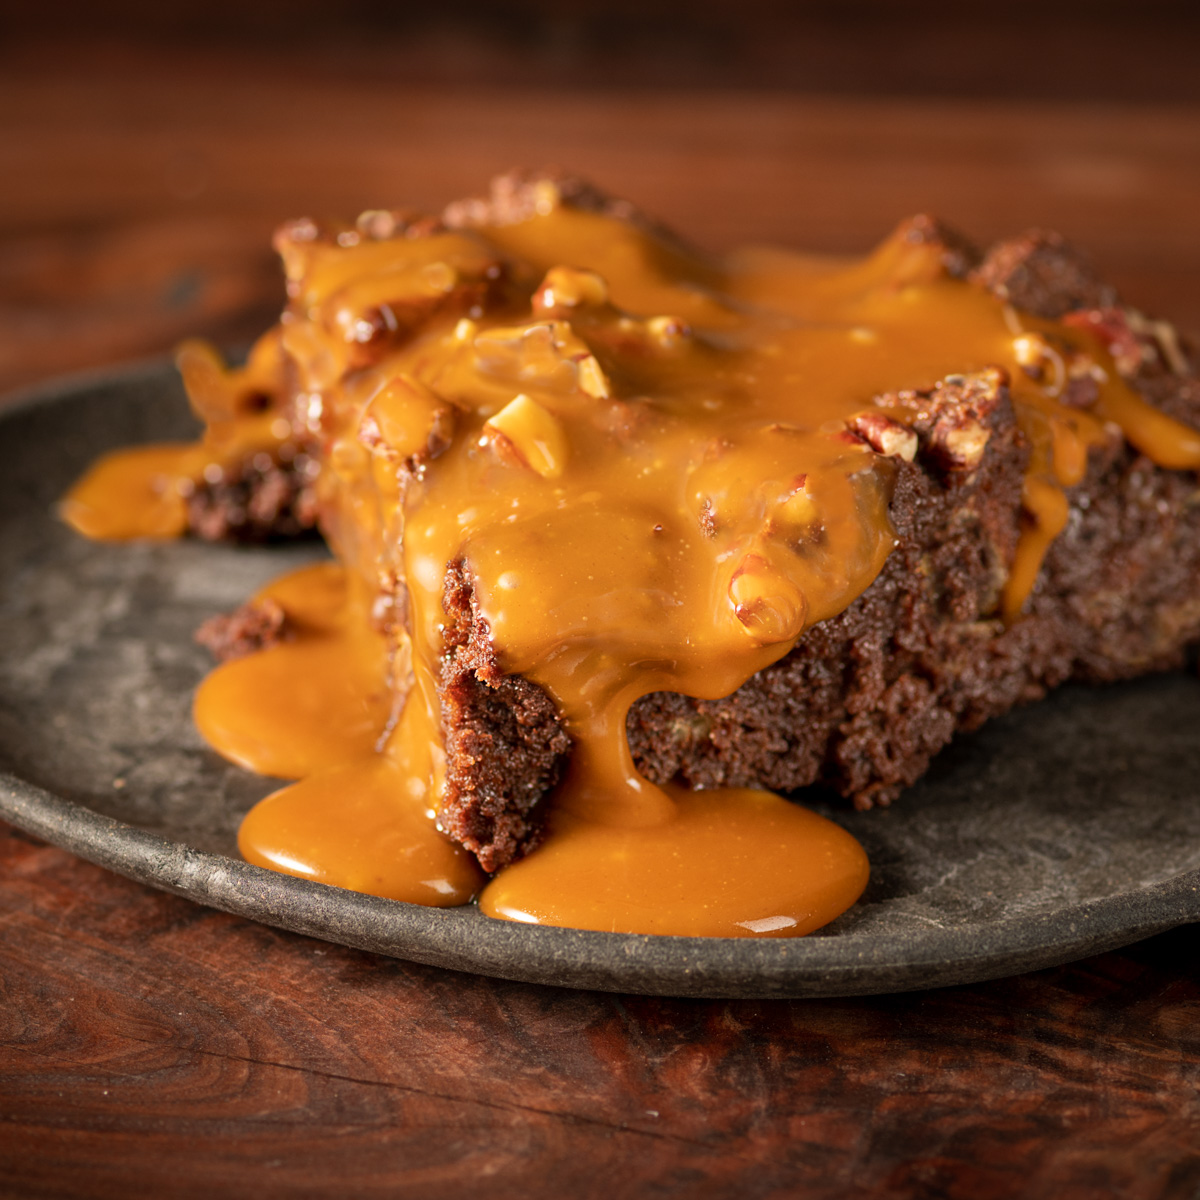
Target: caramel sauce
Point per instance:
(723, 863)
(137, 493)
(314, 701)
(642, 459)
(358, 826)
(1044, 518)
(142, 492)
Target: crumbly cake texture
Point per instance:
(505, 745)
(866, 698)
(254, 501)
(257, 625)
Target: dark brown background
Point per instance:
(151, 1047)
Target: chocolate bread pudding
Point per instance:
(630, 538)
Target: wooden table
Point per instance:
(150, 1047)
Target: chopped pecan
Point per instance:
(526, 433)
(1134, 340)
(567, 288)
(884, 435)
(767, 603)
(519, 195)
(405, 420)
(961, 443)
(953, 420)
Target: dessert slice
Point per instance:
(636, 530)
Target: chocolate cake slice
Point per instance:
(866, 698)
(1022, 511)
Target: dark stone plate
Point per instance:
(1065, 829)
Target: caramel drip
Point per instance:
(1160, 438)
(137, 493)
(644, 461)
(142, 492)
(724, 863)
(1045, 517)
(315, 707)
(309, 703)
(358, 826)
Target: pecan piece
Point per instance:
(884, 435)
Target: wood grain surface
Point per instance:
(153, 1047)
(150, 1047)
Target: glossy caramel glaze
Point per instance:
(358, 826)
(137, 493)
(313, 701)
(724, 863)
(644, 460)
